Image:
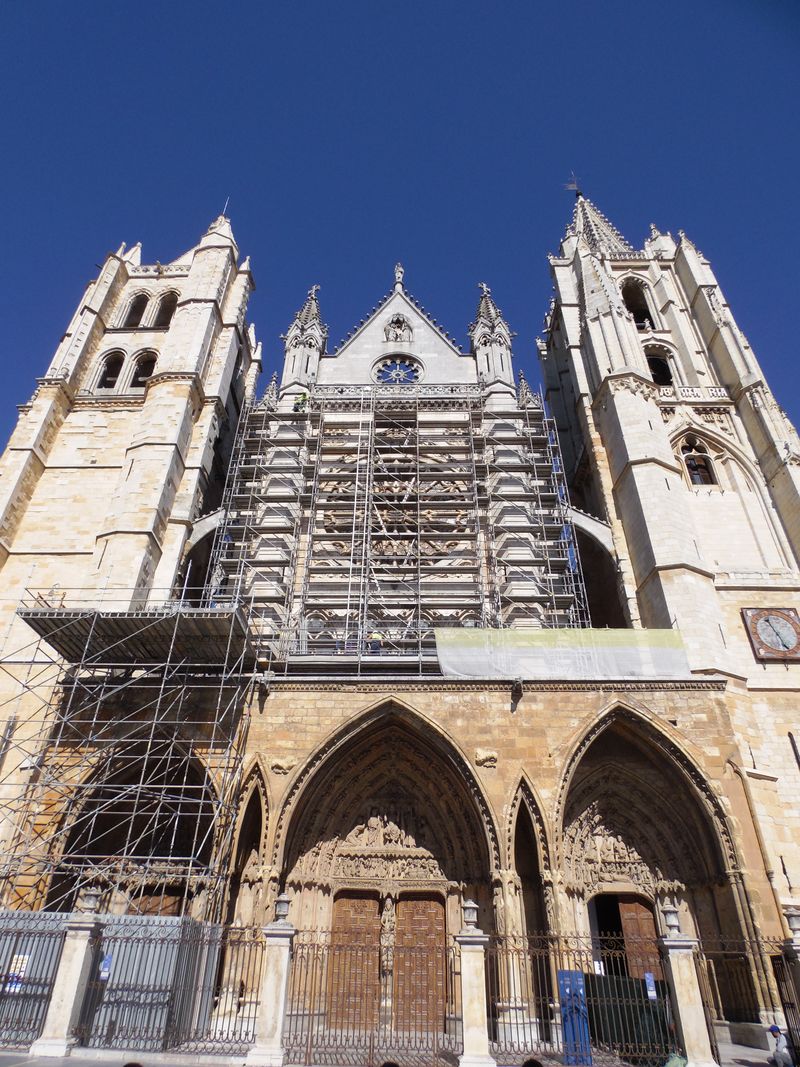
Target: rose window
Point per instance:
(397, 370)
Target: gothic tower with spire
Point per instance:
(677, 451)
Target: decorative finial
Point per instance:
(398, 274)
(312, 292)
(484, 288)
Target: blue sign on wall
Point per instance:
(574, 1018)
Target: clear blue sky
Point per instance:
(349, 135)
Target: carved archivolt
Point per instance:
(672, 795)
(387, 804)
(603, 846)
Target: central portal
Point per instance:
(388, 839)
(389, 819)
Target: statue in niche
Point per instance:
(398, 329)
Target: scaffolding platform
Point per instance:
(150, 635)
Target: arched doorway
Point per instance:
(386, 837)
(393, 811)
(141, 831)
(635, 826)
(643, 831)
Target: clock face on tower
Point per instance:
(774, 633)
(398, 370)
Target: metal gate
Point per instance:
(737, 986)
(581, 1000)
(352, 1004)
(30, 948)
(787, 991)
(161, 984)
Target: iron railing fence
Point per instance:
(578, 1000)
(179, 985)
(363, 1005)
(741, 982)
(782, 969)
(30, 950)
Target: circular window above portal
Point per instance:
(398, 370)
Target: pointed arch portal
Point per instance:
(637, 825)
(393, 813)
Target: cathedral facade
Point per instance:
(408, 659)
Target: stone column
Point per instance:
(472, 944)
(69, 987)
(687, 1001)
(268, 1050)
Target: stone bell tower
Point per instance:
(124, 444)
(671, 436)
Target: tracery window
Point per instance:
(697, 462)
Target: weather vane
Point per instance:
(573, 185)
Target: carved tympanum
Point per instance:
(597, 852)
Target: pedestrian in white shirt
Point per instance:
(781, 1057)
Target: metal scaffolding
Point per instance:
(122, 754)
(376, 514)
(352, 529)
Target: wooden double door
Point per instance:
(387, 969)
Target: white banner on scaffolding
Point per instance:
(557, 654)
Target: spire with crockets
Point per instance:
(305, 343)
(488, 319)
(601, 235)
(490, 338)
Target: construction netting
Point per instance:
(561, 653)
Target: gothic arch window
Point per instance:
(660, 365)
(697, 462)
(135, 312)
(145, 365)
(110, 371)
(166, 309)
(636, 298)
